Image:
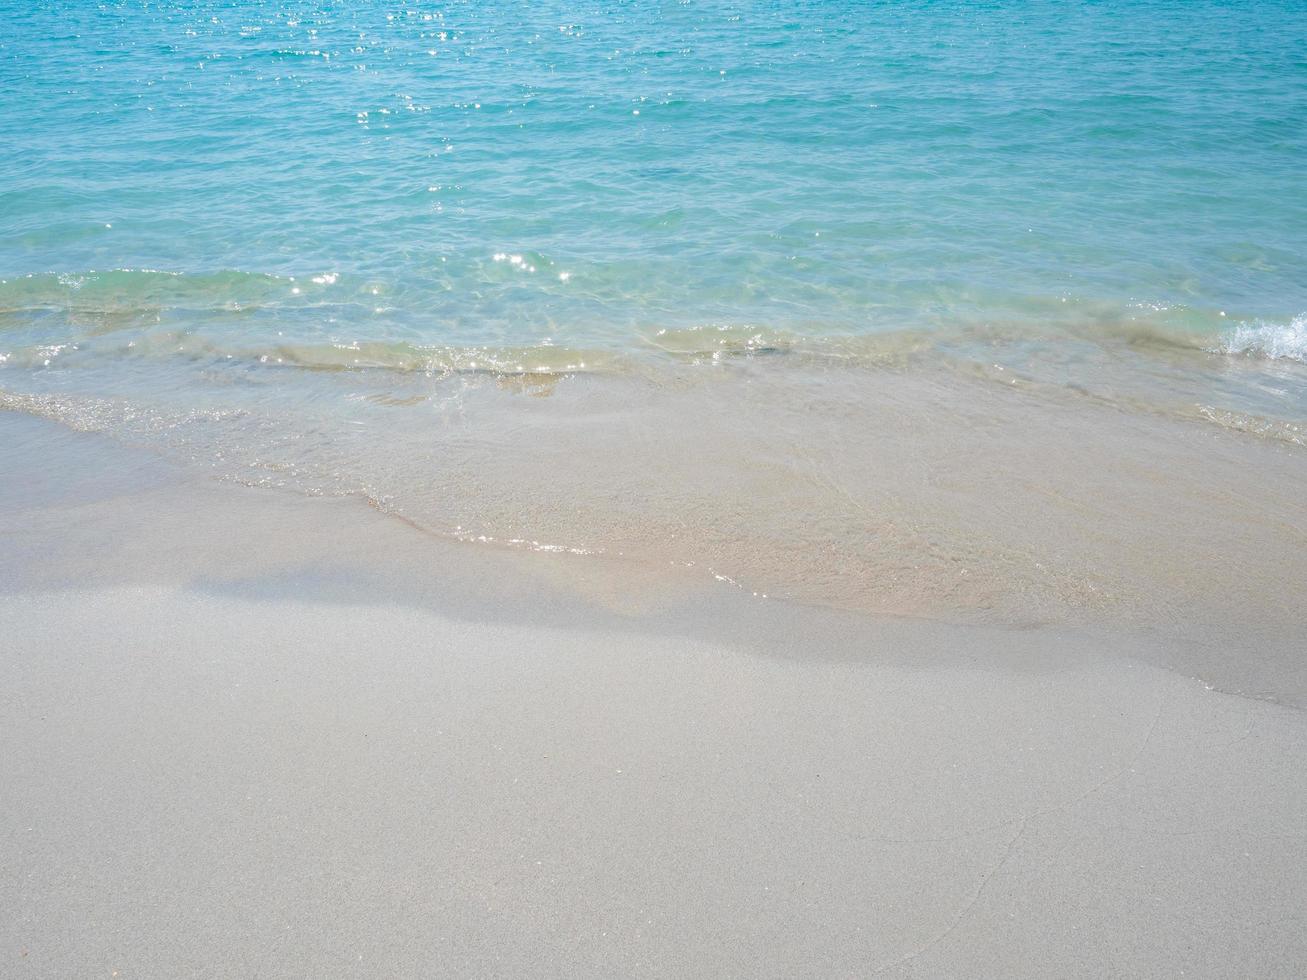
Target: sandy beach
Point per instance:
(255, 734)
(696, 489)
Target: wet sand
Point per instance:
(249, 733)
(932, 489)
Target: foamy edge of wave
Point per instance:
(1261, 338)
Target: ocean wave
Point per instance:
(399, 357)
(1277, 430)
(713, 344)
(719, 342)
(405, 358)
(127, 294)
(1277, 341)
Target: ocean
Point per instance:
(975, 308)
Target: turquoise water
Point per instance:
(589, 174)
(898, 306)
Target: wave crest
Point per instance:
(1277, 341)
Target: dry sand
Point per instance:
(245, 734)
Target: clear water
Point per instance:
(371, 171)
(601, 201)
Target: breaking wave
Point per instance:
(1278, 341)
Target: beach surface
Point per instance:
(251, 733)
(682, 489)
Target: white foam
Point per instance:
(1273, 340)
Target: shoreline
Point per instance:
(875, 494)
(361, 749)
(82, 511)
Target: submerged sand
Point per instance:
(251, 734)
(1093, 490)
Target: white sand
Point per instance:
(307, 767)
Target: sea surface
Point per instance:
(909, 306)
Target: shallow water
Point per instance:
(988, 309)
(503, 174)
